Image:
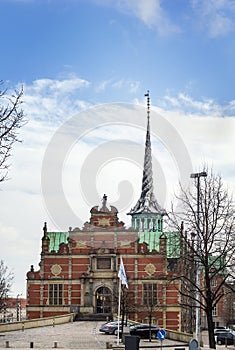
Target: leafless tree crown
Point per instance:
(6, 279)
(11, 120)
(205, 218)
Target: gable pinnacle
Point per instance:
(147, 202)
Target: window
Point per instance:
(103, 263)
(213, 282)
(214, 311)
(55, 294)
(150, 294)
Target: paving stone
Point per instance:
(75, 335)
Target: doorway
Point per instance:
(103, 300)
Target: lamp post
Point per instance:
(18, 307)
(197, 330)
(4, 311)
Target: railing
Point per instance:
(178, 336)
(37, 322)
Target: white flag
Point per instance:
(122, 273)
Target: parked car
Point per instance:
(221, 330)
(112, 327)
(226, 338)
(128, 324)
(142, 330)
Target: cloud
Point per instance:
(54, 100)
(130, 86)
(216, 16)
(61, 86)
(134, 86)
(103, 85)
(230, 108)
(205, 107)
(150, 12)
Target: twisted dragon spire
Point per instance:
(147, 202)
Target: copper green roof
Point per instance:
(56, 238)
(217, 263)
(153, 239)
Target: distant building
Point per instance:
(224, 311)
(14, 310)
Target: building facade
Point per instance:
(78, 270)
(80, 274)
(14, 310)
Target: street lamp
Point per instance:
(4, 311)
(18, 307)
(197, 331)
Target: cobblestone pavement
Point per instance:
(77, 335)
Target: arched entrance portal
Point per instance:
(103, 300)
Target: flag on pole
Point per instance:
(122, 273)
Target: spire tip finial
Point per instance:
(148, 103)
(147, 94)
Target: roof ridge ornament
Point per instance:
(147, 202)
(104, 203)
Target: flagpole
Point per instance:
(122, 280)
(119, 309)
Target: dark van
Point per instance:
(226, 338)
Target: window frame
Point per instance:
(55, 294)
(150, 294)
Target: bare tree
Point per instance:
(6, 279)
(147, 305)
(151, 303)
(208, 239)
(11, 120)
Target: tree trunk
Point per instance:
(210, 329)
(150, 323)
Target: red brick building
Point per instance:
(79, 269)
(13, 310)
(78, 272)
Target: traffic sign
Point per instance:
(161, 334)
